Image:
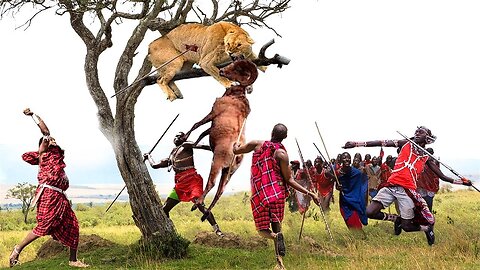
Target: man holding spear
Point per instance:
(401, 185)
(188, 183)
(270, 175)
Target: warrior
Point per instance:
(354, 185)
(324, 181)
(188, 183)
(55, 216)
(270, 176)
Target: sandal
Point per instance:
(78, 264)
(13, 259)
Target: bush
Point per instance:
(173, 246)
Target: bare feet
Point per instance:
(13, 259)
(78, 264)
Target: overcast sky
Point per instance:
(361, 69)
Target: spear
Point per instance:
(310, 180)
(188, 48)
(222, 185)
(331, 167)
(151, 150)
(436, 159)
(144, 159)
(328, 156)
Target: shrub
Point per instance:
(173, 246)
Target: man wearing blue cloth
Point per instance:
(352, 194)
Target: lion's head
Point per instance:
(238, 43)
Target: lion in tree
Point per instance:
(216, 44)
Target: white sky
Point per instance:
(361, 69)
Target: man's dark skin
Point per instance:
(180, 157)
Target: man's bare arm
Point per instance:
(385, 143)
(246, 148)
(436, 169)
(41, 124)
(162, 164)
(282, 157)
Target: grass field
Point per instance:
(457, 240)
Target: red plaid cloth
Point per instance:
(274, 213)
(188, 185)
(268, 189)
(55, 216)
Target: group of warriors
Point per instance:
(358, 190)
(410, 180)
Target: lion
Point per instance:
(216, 43)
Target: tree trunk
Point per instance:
(144, 200)
(119, 131)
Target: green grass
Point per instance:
(457, 240)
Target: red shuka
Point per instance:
(55, 216)
(268, 188)
(323, 184)
(188, 185)
(408, 167)
(428, 180)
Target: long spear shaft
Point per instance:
(310, 180)
(301, 227)
(436, 159)
(151, 150)
(330, 164)
(144, 160)
(208, 212)
(118, 195)
(192, 48)
(326, 152)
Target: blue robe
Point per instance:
(353, 194)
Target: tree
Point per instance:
(25, 193)
(158, 15)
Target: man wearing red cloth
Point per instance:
(324, 182)
(188, 183)
(55, 216)
(386, 169)
(270, 175)
(303, 179)
(401, 185)
(428, 184)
